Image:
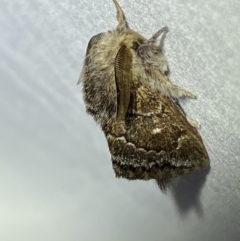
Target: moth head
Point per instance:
(148, 50)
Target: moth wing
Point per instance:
(91, 44)
(94, 41)
(156, 140)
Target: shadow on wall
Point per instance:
(186, 191)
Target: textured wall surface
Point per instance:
(56, 179)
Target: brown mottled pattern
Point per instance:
(139, 154)
(127, 91)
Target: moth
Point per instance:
(126, 89)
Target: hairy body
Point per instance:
(127, 91)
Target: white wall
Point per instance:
(56, 179)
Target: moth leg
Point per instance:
(174, 90)
(178, 92)
(193, 122)
(171, 89)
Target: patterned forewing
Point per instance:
(156, 140)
